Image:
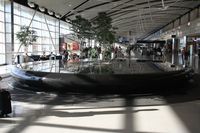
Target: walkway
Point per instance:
(167, 112)
(156, 112)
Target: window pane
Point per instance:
(2, 58)
(2, 5)
(8, 28)
(2, 38)
(16, 9)
(16, 19)
(8, 38)
(16, 28)
(2, 27)
(1, 16)
(8, 17)
(25, 21)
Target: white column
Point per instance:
(191, 53)
(173, 43)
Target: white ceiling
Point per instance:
(139, 16)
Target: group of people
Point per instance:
(88, 52)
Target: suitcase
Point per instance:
(5, 103)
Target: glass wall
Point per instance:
(2, 33)
(47, 29)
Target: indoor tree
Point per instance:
(82, 28)
(26, 37)
(104, 31)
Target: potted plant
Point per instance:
(26, 37)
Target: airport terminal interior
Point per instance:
(100, 66)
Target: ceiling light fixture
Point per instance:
(50, 12)
(58, 15)
(31, 4)
(42, 9)
(67, 20)
(188, 23)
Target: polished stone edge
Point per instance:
(65, 82)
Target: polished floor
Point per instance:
(156, 112)
(173, 110)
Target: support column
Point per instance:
(173, 46)
(49, 33)
(191, 55)
(196, 58)
(12, 25)
(9, 31)
(60, 44)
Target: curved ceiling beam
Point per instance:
(127, 11)
(182, 7)
(75, 8)
(105, 3)
(133, 24)
(94, 6)
(146, 14)
(135, 5)
(134, 10)
(156, 30)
